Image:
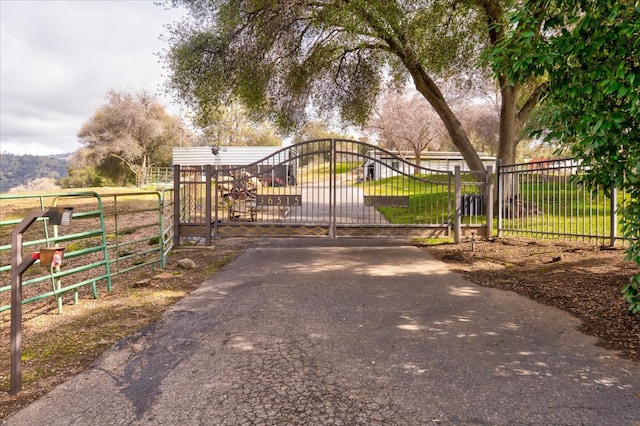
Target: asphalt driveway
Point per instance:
(349, 332)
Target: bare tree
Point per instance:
(475, 99)
(482, 121)
(407, 123)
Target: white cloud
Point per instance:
(59, 59)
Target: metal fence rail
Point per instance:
(111, 234)
(474, 203)
(328, 187)
(154, 177)
(545, 200)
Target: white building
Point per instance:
(270, 163)
(392, 164)
(226, 156)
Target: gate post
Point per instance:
(500, 196)
(216, 205)
(332, 191)
(176, 205)
(457, 211)
(207, 197)
(489, 201)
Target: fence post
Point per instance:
(208, 202)
(457, 211)
(163, 254)
(176, 205)
(613, 216)
(489, 201)
(332, 191)
(500, 196)
(216, 205)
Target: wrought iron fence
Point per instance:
(539, 199)
(474, 203)
(329, 187)
(545, 199)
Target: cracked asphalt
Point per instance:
(349, 332)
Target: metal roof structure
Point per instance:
(225, 156)
(436, 160)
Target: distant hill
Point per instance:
(18, 170)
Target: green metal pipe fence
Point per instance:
(111, 234)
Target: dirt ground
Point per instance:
(580, 278)
(56, 347)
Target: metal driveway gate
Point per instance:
(330, 187)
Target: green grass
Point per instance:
(322, 170)
(423, 209)
(562, 207)
(429, 198)
(406, 185)
(431, 241)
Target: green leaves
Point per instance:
(589, 52)
(631, 294)
(277, 57)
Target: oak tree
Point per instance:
(280, 57)
(131, 131)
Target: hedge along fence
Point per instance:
(110, 234)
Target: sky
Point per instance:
(59, 58)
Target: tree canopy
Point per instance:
(230, 125)
(280, 58)
(316, 129)
(590, 53)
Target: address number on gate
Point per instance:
(278, 200)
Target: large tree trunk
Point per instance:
(512, 121)
(510, 125)
(459, 138)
